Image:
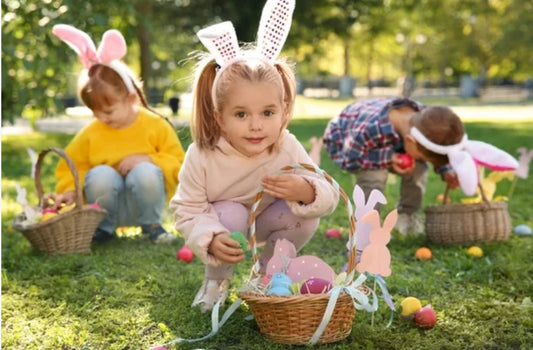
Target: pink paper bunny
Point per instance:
(376, 256)
(299, 268)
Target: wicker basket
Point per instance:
(294, 319)
(69, 232)
(468, 223)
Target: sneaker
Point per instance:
(102, 236)
(211, 292)
(157, 234)
(410, 224)
(403, 223)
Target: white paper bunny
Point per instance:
(33, 158)
(523, 162)
(376, 256)
(363, 229)
(31, 213)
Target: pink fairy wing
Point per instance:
(79, 41)
(112, 47)
(490, 156)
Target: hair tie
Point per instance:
(110, 51)
(466, 155)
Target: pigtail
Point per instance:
(204, 128)
(144, 102)
(289, 86)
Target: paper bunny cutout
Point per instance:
(31, 213)
(33, 159)
(299, 269)
(362, 230)
(523, 162)
(110, 51)
(466, 155)
(376, 256)
(221, 41)
(316, 147)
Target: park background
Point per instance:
(472, 55)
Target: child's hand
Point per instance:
(226, 249)
(451, 179)
(290, 187)
(396, 164)
(67, 198)
(130, 162)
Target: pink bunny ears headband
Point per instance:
(221, 41)
(465, 155)
(110, 51)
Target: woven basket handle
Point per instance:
(481, 190)
(332, 182)
(38, 184)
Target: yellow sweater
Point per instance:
(98, 144)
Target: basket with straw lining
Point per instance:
(69, 232)
(294, 319)
(468, 223)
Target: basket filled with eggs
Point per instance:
(67, 230)
(300, 299)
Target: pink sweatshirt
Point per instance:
(227, 175)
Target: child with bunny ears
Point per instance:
(128, 157)
(243, 101)
(368, 136)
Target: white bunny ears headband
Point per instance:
(110, 51)
(221, 41)
(464, 157)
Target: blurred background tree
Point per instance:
(374, 40)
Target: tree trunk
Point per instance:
(143, 36)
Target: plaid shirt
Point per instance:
(362, 136)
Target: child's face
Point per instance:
(252, 117)
(118, 114)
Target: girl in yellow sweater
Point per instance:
(128, 157)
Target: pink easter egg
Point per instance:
(315, 286)
(185, 254)
(265, 280)
(159, 348)
(94, 206)
(333, 233)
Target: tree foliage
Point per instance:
(433, 39)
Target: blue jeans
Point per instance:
(134, 200)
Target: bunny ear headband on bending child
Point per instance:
(221, 41)
(464, 157)
(110, 51)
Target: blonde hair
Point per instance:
(204, 128)
(440, 125)
(101, 86)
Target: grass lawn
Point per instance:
(131, 294)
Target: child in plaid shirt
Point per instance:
(368, 136)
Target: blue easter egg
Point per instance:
(279, 290)
(522, 230)
(280, 279)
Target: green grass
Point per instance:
(130, 294)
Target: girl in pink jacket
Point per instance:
(243, 102)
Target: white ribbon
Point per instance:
(359, 299)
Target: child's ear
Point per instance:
(218, 117)
(132, 98)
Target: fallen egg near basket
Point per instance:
(468, 223)
(294, 319)
(68, 232)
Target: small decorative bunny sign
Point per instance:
(363, 229)
(316, 147)
(300, 268)
(523, 162)
(376, 257)
(33, 159)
